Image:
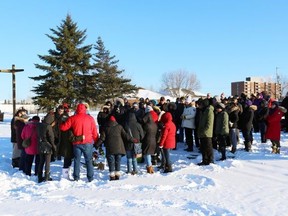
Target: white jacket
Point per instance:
(188, 117)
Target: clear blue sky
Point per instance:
(221, 41)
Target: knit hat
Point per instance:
(112, 118)
(188, 100)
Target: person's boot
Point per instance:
(150, 170)
(223, 152)
(40, 177)
(278, 150)
(247, 146)
(274, 149)
(117, 177)
(65, 173)
(112, 178)
(47, 177)
(15, 162)
(168, 169)
(233, 150)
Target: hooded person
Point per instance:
(113, 137)
(45, 133)
(167, 141)
(273, 120)
(205, 132)
(30, 132)
(82, 125)
(246, 123)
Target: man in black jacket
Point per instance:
(285, 104)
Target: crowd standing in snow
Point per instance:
(210, 123)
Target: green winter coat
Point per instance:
(205, 128)
(221, 123)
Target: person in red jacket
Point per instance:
(167, 141)
(84, 129)
(273, 131)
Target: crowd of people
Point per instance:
(204, 124)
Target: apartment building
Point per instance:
(253, 85)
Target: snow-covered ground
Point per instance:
(253, 183)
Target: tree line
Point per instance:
(74, 72)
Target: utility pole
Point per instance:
(278, 81)
(13, 71)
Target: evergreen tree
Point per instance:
(108, 79)
(67, 67)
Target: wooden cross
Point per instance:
(13, 71)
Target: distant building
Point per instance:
(254, 85)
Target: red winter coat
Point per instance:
(274, 125)
(81, 124)
(168, 140)
(30, 130)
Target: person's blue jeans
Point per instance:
(233, 133)
(166, 154)
(114, 162)
(131, 161)
(86, 149)
(147, 158)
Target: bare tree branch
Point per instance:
(179, 80)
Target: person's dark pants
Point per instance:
(207, 150)
(197, 140)
(248, 139)
(180, 135)
(67, 162)
(28, 164)
(22, 161)
(163, 158)
(114, 162)
(189, 138)
(222, 145)
(286, 122)
(262, 129)
(44, 159)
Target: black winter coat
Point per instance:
(45, 132)
(13, 131)
(135, 128)
(113, 138)
(233, 112)
(150, 132)
(246, 118)
(19, 125)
